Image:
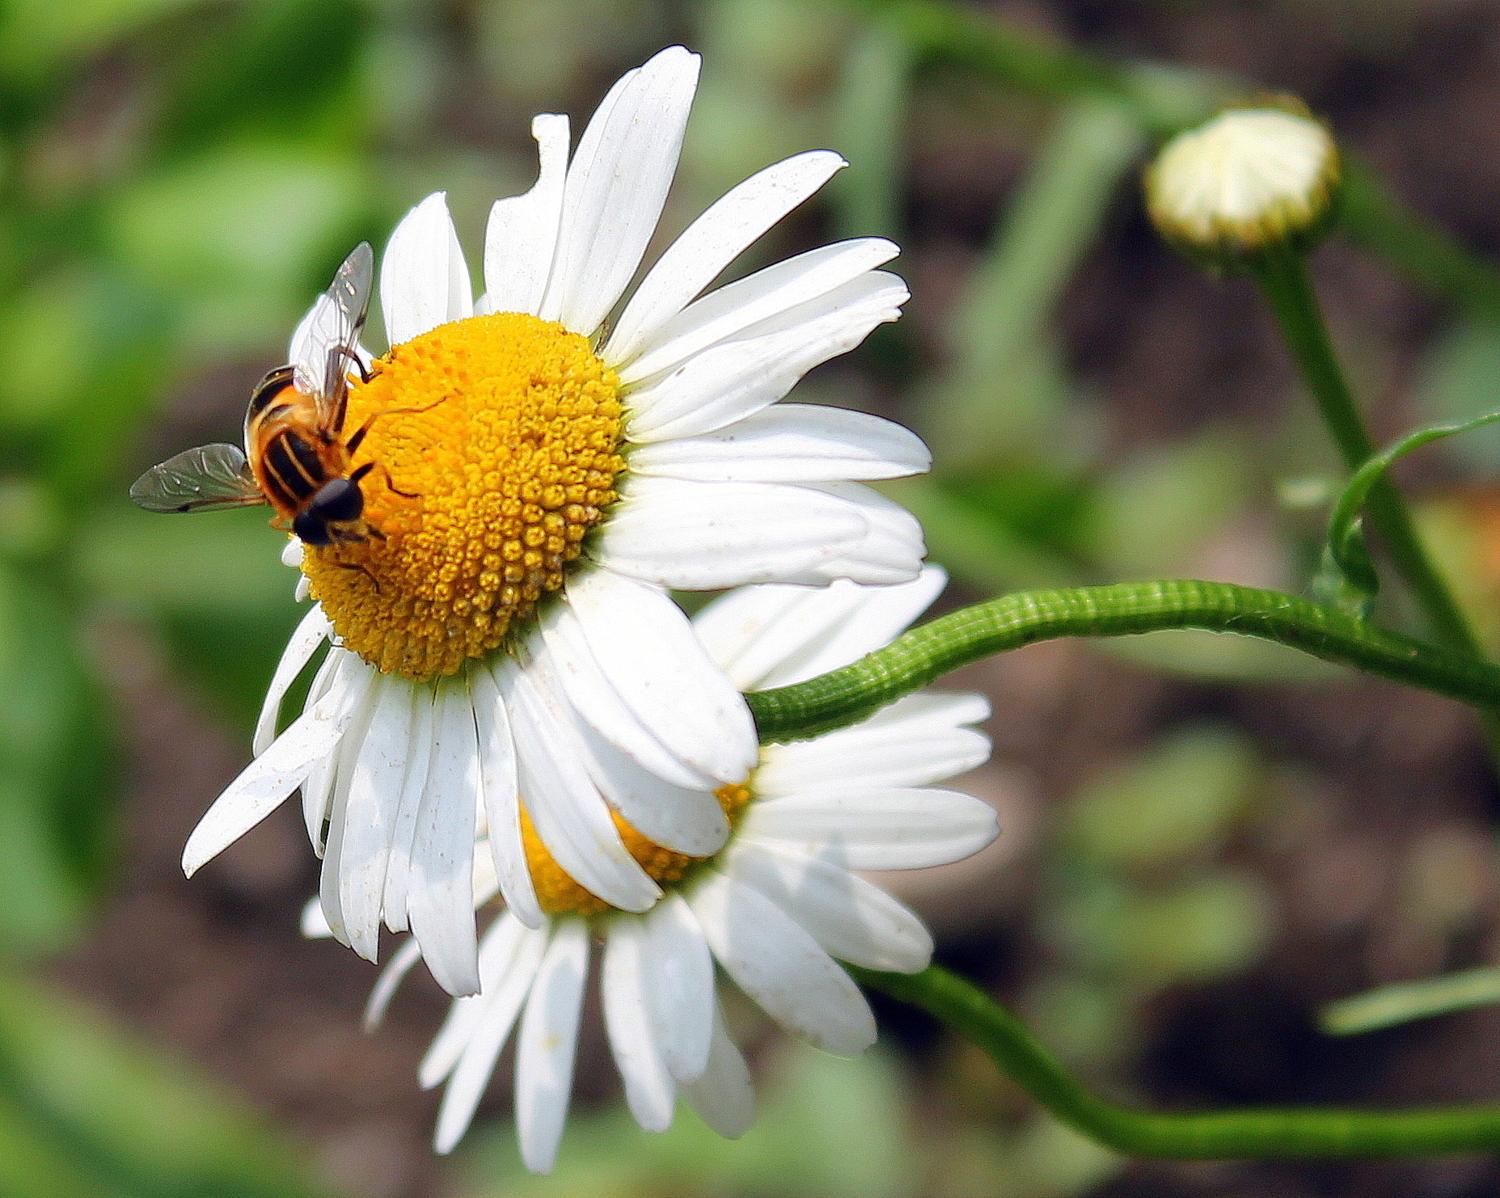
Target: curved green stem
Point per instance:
(924, 653)
(1210, 1135)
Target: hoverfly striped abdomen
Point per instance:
(291, 468)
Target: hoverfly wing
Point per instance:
(326, 345)
(196, 480)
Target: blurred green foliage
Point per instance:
(175, 178)
(87, 1111)
(1139, 895)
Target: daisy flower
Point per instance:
(777, 908)
(540, 475)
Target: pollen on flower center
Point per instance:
(495, 443)
(558, 894)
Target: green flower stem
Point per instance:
(1402, 1002)
(1372, 215)
(1215, 1135)
(1002, 50)
(1283, 278)
(922, 654)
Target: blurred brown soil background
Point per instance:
(1376, 847)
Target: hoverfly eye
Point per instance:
(311, 528)
(338, 499)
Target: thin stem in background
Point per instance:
(870, 114)
(1402, 1002)
(1166, 98)
(1001, 396)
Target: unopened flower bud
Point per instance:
(1250, 179)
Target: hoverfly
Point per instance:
(295, 456)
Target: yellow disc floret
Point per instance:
(558, 894)
(496, 445)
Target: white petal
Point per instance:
(779, 964)
(712, 536)
(342, 772)
(423, 279)
(314, 923)
(522, 233)
(616, 186)
(398, 873)
(291, 554)
(375, 788)
(892, 548)
(341, 668)
(919, 714)
(502, 1000)
(770, 636)
(882, 614)
(678, 986)
(546, 1043)
(505, 941)
(712, 242)
(266, 782)
(645, 647)
(649, 1089)
(440, 901)
(766, 294)
(917, 740)
(354, 745)
(317, 802)
(684, 820)
(728, 381)
(724, 1096)
(570, 815)
(497, 770)
(601, 707)
(789, 443)
(752, 630)
(389, 980)
(854, 920)
(339, 768)
(882, 829)
(313, 630)
(486, 886)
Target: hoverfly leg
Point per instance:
(347, 351)
(391, 486)
(364, 375)
(374, 582)
(353, 442)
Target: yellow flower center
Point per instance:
(496, 445)
(558, 894)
